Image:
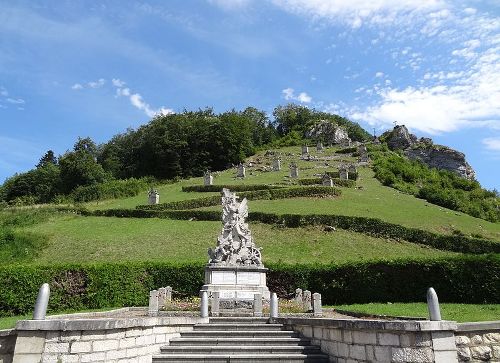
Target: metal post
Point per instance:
(42, 301)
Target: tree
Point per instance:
(48, 158)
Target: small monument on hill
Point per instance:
(294, 170)
(241, 171)
(235, 268)
(208, 179)
(326, 180)
(276, 165)
(153, 197)
(343, 172)
(319, 146)
(305, 149)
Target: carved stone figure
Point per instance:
(235, 246)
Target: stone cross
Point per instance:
(294, 171)
(276, 165)
(327, 180)
(208, 179)
(153, 303)
(317, 308)
(42, 301)
(306, 301)
(241, 171)
(153, 197)
(305, 149)
(298, 296)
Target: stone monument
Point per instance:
(352, 169)
(294, 170)
(326, 180)
(305, 150)
(208, 179)
(153, 197)
(235, 268)
(343, 172)
(319, 146)
(276, 165)
(241, 171)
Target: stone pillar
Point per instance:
(317, 308)
(343, 173)
(153, 197)
(241, 171)
(42, 301)
(162, 297)
(306, 300)
(168, 296)
(305, 150)
(327, 180)
(215, 303)
(433, 305)
(294, 171)
(208, 179)
(257, 305)
(204, 304)
(274, 306)
(276, 165)
(153, 303)
(298, 296)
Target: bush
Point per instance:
(233, 188)
(336, 181)
(465, 279)
(110, 189)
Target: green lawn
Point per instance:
(456, 312)
(370, 199)
(86, 239)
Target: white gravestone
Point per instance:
(276, 165)
(305, 150)
(294, 171)
(241, 171)
(153, 197)
(208, 179)
(327, 180)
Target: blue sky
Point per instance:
(95, 68)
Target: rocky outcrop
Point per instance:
(435, 156)
(400, 138)
(328, 132)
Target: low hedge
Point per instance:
(233, 188)
(464, 279)
(371, 226)
(336, 181)
(281, 193)
(336, 175)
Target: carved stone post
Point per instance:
(215, 303)
(317, 308)
(257, 305)
(307, 300)
(204, 304)
(298, 296)
(433, 305)
(42, 301)
(162, 295)
(168, 296)
(153, 303)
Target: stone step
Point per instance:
(238, 320)
(233, 341)
(241, 358)
(240, 333)
(246, 349)
(237, 326)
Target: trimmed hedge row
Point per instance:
(465, 279)
(336, 175)
(233, 188)
(336, 181)
(281, 193)
(371, 226)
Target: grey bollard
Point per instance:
(306, 300)
(42, 301)
(257, 305)
(433, 305)
(204, 304)
(215, 303)
(317, 308)
(274, 305)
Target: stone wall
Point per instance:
(7, 344)
(478, 342)
(356, 341)
(111, 340)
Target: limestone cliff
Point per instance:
(435, 156)
(327, 132)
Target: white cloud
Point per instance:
(77, 86)
(289, 95)
(17, 101)
(379, 74)
(138, 102)
(492, 143)
(230, 5)
(117, 82)
(97, 84)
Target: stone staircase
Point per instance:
(242, 340)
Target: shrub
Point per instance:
(464, 279)
(110, 189)
(336, 181)
(233, 188)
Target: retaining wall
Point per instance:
(7, 344)
(478, 342)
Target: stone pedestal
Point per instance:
(236, 282)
